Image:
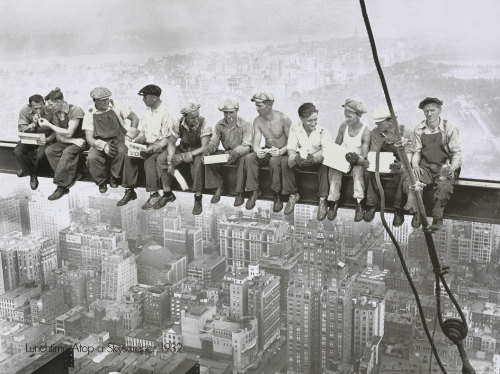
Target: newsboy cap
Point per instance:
(355, 106)
(259, 97)
(100, 93)
(229, 105)
(429, 100)
(189, 107)
(382, 113)
(150, 89)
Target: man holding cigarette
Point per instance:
(236, 136)
(274, 126)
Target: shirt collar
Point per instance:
(155, 110)
(185, 125)
(301, 126)
(239, 122)
(110, 107)
(423, 125)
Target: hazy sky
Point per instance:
(96, 26)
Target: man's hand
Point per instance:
(147, 152)
(261, 153)
(363, 162)
(182, 158)
(309, 161)
(292, 161)
(274, 151)
(110, 149)
(351, 157)
(36, 118)
(447, 172)
(171, 169)
(79, 142)
(299, 161)
(43, 122)
(396, 167)
(417, 170)
(209, 149)
(233, 156)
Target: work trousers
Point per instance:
(194, 168)
(63, 159)
(29, 157)
(335, 179)
(276, 165)
(151, 168)
(373, 193)
(213, 178)
(99, 163)
(289, 178)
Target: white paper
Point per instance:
(134, 149)
(181, 180)
(386, 159)
(215, 159)
(30, 138)
(334, 157)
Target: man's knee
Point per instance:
(251, 157)
(275, 162)
(18, 150)
(94, 155)
(51, 151)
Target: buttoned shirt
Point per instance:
(232, 136)
(122, 112)
(61, 119)
(450, 138)
(26, 117)
(206, 130)
(298, 140)
(156, 124)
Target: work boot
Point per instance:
(359, 212)
(129, 196)
(278, 203)
(21, 173)
(197, 208)
(113, 183)
(150, 203)
(166, 198)
(253, 199)
(290, 205)
(33, 182)
(216, 198)
(58, 193)
(333, 206)
(370, 213)
(437, 223)
(322, 209)
(399, 218)
(239, 200)
(416, 221)
(103, 188)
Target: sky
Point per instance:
(44, 28)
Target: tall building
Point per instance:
(182, 239)
(72, 283)
(401, 233)
(23, 194)
(156, 306)
(368, 322)
(158, 265)
(207, 268)
(119, 273)
(48, 306)
(264, 303)
(10, 215)
(48, 217)
(207, 222)
(302, 215)
(244, 240)
(124, 217)
(473, 241)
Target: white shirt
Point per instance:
(122, 112)
(298, 140)
(156, 124)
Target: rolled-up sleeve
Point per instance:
(167, 123)
(293, 141)
(88, 122)
(247, 134)
(216, 136)
(454, 146)
(417, 141)
(206, 130)
(174, 130)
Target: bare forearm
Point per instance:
(64, 139)
(242, 149)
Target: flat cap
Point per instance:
(100, 93)
(355, 106)
(382, 113)
(429, 100)
(190, 107)
(150, 89)
(259, 97)
(229, 105)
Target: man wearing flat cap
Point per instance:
(383, 139)
(274, 126)
(31, 156)
(236, 136)
(436, 159)
(194, 133)
(354, 136)
(156, 123)
(107, 123)
(64, 154)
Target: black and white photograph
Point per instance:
(250, 187)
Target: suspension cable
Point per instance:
(454, 329)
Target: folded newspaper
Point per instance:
(385, 160)
(29, 138)
(134, 149)
(334, 157)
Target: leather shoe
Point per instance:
(437, 223)
(290, 205)
(370, 213)
(33, 182)
(253, 199)
(162, 201)
(58, 193)
(278, 203)
(113, 184)
(150, 203)
(360, 212)
(332, 210)
(216, 198)
(129, 196)
(322, 209)
(416, 221)
(103, 188)
(239, 200)
(399, 218)
(20, 173)
(197, 208)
